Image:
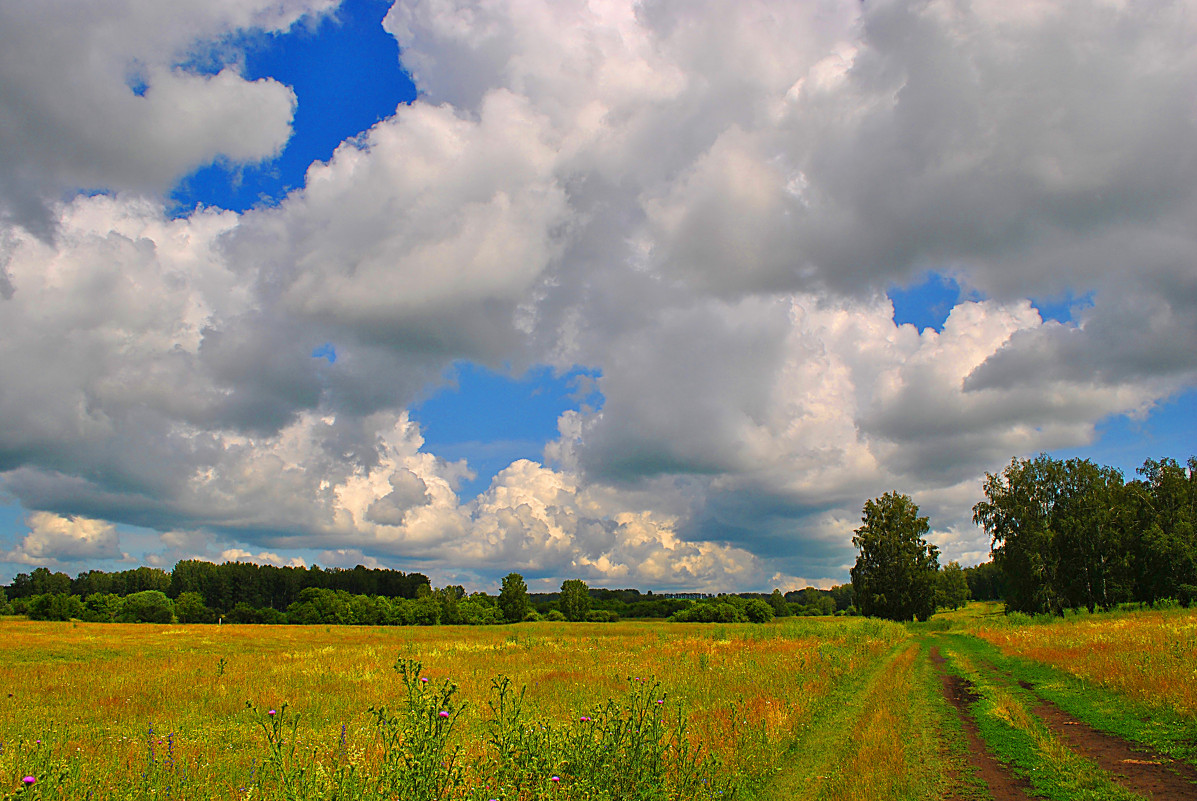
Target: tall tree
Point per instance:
(575, 599)
(513, 598)
(1016, 513)
(952, 591)
(1061, 533)
(896, 570)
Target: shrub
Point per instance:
(150, 606)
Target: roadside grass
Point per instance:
(1129, 673)
(1020, 740)
(120, 712)
(1147, 655)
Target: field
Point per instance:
(802, 708)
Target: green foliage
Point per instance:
(419, 756)
(896, 571)
(57, 606)
(601, 616)
(986, 582)
(100, 607)
(575, 599)
(634, 748)
(778, 602)
(758, 611)
(1070, 534)
(189, 608)
(150, 606)
(513, 598)
(951, 590)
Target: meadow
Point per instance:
(801, 708)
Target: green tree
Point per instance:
(778, 602)
(57, 606)
(952, 590)
(149, 606)
(575, 599)
(758, 611)
(1062, 533)
(1165, 550)
(513, 598)
(895, 572)
(102, 607)
(1016, 513)
(190, 608)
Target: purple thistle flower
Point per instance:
(554, 778)
(271, 712)
(29, 781)
(424, 679)
(443, 713)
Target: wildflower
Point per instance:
(271, 712)
(660, 701)
(585, 719)
(28, 781)
(423, 679)
(443, 713)
(555, 778)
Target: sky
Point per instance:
(651, 294)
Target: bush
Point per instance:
(150, 606)
(758, 611)
(189, 607)
(555, 616)
(58, 606)
(601, 616)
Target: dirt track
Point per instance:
(1002, 783)
(1134, 766)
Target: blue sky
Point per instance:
(466, 288)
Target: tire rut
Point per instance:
(1133, 765)
(1002, 783)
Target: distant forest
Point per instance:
(243, 592)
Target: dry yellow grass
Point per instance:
(92, 692)
(1149, 656)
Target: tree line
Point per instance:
(241, 592)
(1074, 534)
(1065, 534)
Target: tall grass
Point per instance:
(116, 712)
(1148, 656)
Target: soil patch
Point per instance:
(1002, 783)
(1134, 766)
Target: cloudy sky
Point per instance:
(651, 294)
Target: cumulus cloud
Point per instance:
(100, 96)
(701, 203)
(56, 539)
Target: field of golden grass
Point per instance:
(799, 709)
(1147, 656)
(99, 709)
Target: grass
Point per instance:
(803, 709)
(1144, 656)
(1083, 665)
(142, 706)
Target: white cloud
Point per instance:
(73, 120)
(701, 202)
(57, 539)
